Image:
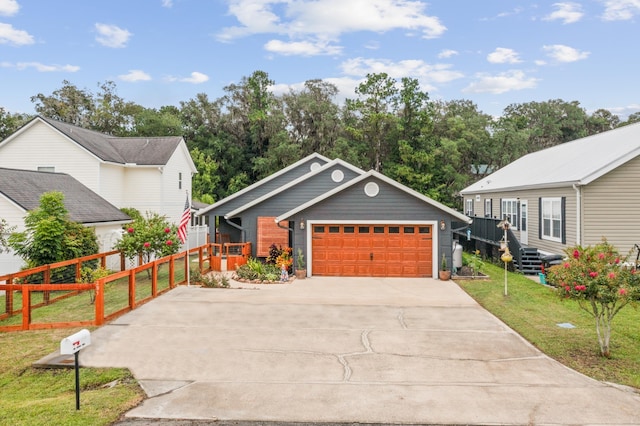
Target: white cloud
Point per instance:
(9, 35)
(502, 55)
(620, 10)
(9, 7)
(426, 74)
(325, 20)
(301, 48)
(568, 13)
(135, 75)
(47, 68)
(562, 53)
(112, 35)
(501, 83)
(195, 78)
(447, 53)
(167, 3)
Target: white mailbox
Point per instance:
(72, 344)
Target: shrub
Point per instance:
(254, 269)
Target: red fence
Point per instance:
(30, 306)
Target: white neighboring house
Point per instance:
(20, 192)
(150, 174)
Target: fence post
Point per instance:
(172, 278)
(154, 279)
(99, 320)
(26, 306)
(132, 289)
(46, 274)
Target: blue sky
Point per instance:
(160, 52)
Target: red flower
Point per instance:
(567, 265)
(612, 275)
(167, 230)
(617, 260)
(130, 230)
(576, 254)
(169, 242)
(622, 291)
(593, 274)
(600, 256)
(567, 288)
(147, 244)
(580, 287)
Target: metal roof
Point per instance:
(578, 162)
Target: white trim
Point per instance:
(291, 184)
(434, 236)
(262, 181)
(516, 204)
(380, 176)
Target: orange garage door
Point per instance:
(372, 250)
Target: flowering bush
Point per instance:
(280, 256)
(602, 283)
(149, 237)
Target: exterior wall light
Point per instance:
(443, 225)
(301, 223)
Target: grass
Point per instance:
(534, 311)
(35, 396)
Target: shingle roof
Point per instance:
(140, 150)
(577, 162)
(24, 187)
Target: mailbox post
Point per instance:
(72, 345)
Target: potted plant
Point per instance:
(301, 272)
(445, 273)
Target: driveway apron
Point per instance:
(351, 350)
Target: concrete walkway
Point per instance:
(345, 350)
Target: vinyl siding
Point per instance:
(533, 198)
(611, 207)
(173, 196)
(40, 145)
(142, 189)
(13, 214)
(112, 184)
(291, 198)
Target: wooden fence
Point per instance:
(110, 297)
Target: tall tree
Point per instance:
(67, 104)
(9, 122)
(375, 108)
(313, 117)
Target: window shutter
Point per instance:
(563, 218)
(501, 217)
(539, 218)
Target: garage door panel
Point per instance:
(372, 250)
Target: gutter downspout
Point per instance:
(578, 214)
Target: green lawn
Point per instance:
(34, 396)
(534, 311)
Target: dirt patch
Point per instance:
(466, 273)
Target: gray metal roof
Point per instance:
(153, 151)
(24, 188)
(577, 162)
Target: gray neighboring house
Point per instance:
(345, 221)
(578, 192)
(20, 192)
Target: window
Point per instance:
(46, 169)
(552, 219)
(468, 206)
(510, 211)
(487, 207)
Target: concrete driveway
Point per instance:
(349, 350)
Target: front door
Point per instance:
(524, 217)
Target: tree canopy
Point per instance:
(434, 147)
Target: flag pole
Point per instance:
(187, 241)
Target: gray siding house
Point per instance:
(346, 222)
(578, 192)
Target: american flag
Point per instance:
(184, 221)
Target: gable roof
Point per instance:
(143, 151)
(25, 187)
(578, 162)
(380, 176)
(264, 181)
(293, 183)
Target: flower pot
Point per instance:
(301, 273)
(445, 275)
